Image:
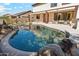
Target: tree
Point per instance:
(6, 19)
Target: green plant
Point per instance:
(6, 19)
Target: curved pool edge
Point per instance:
(60, 27)
(7, 48)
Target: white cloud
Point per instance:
(6, 3)
(2, 8)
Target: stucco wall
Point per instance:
(41, 17)
(48, 6)
(77, 17)
(51, 16)
(24, 17)
(78, 25)
(41, 7)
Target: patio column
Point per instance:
(29, 22)
(47, 17)
(75, 14)
(51, 16)
(41, 17)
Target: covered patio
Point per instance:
(65, 15)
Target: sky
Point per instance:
(13, 8)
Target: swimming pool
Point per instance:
(32, 41)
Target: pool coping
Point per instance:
(11, 51)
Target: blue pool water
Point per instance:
(27, 41)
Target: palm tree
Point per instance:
(6, 20)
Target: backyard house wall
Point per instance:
(41, 7)
(49, 12)
(23, 16)
(77, 17)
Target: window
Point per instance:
(53, 4)
(24, 17)
(38, 16)
(18, 16)
(65, 3)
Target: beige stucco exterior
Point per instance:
(47, 13)
(24, 16)
(51, 16)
